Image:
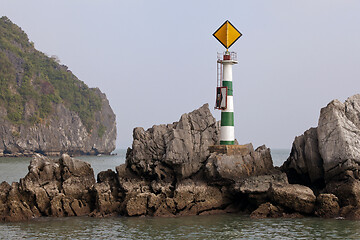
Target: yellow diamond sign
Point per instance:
(227, 34)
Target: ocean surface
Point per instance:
(225, 226)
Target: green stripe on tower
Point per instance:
(227, 118)
(228, 84)
(227, 142)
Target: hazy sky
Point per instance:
(156, 60)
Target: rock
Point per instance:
(43, 182)
(350, 212)
(166, 208)
(168, 172)
(348, 191)
(4, 192)
(107, 194)
(193, 198)
(51, 188)
(61, 206)
(259, 184)
(50, 179)
(338, 133)
(174, 150)
(327, 158)
(305, 165)
(267, 210)
(80, 207)
(228, 169)
(136, 204)
(18, 208)
(130, 182)
(330, 152)
(78, 178)
(327, 206)
(294, 197)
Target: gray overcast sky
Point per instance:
(156, 60)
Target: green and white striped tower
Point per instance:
(227, 35)
(227, 135)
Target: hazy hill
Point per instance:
(44, 107)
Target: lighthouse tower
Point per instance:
(227, 135)
(226, 34)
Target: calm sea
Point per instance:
(227, 226)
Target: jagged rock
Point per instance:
(166, 207)
(4, 192)
(18, 208)
(43, 182)
(305, 164)
(332, 150)
(267, 210)
(80, 207)
(293, 196)
(65, 206)
(48, 178)
(256, 188)
(327, 158)
(168, 172)
(327, 206)
(259, 184)
(192, 198)
(338, 134)
(174, 150)
(347, 191)
(78, 178)
(51, 188)
(136, 204)
(107, 194)
(61, 206)
(228, 169)
(130, 182)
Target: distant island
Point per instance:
(44, 107)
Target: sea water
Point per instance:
(224, 226)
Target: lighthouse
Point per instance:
(227, 35)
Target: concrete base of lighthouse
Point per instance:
(231, 149)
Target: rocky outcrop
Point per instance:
(327, 158)
(338, 133)
(174, 150)
(332, 150)
(56, 188)
(169, 172)
(222, 168)
(305, 164)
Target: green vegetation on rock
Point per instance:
(101, 130)
(31, 80)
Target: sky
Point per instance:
(156, 60)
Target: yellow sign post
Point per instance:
(227, 34)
